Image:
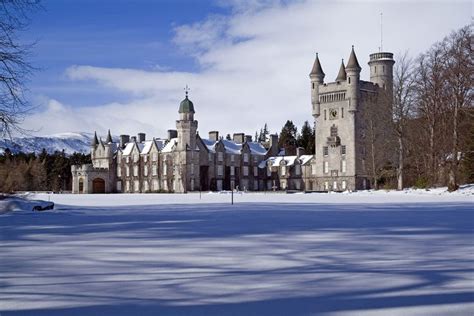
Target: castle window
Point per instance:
(297, 170)
(344, 185)
(119, 172)
(155, 156)
(283, 170)
(313, 85)
(334, 185)
(326, 167)
(255, 171)
(324, 114)
(127, 171)
(145, 171)
(220, 156)
(342, 112)
(119, 186)
(325, 151)
(349, 80)
(313, 169)
(326, 186)
(246, 171)
(146, 188)
(232, 170)
(232, 158)
(165, 169)
(343, 149)
(192, 169)
(135, 158)
(255, 185)
(155, 170)
(220, 170)
(343, 166)
(145, 158)
(136, 186)
(135, 171)
(210, 156)
(127, 159)
(155, 185)
(127, 186)
(375, 69)
(246, 157)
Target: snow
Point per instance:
(353, 253)
(232, 147)
(169, 147)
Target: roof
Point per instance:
(186, 106)
(109, 138)
(317, 69)
(289, 160)
(160, 143)
(170, 145)
(353, 63)
(95, 140)
(342, 76)
(232, 147)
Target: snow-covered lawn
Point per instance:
(365, 253)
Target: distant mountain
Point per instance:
(69, 142)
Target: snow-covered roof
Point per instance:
(160, 143)
(169, 146)
(232, 147)
(289, 160)
(128, 149)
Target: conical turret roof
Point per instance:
(95, 140)
(341, 76)
(109, 138)
(317, 69)
(353, 63)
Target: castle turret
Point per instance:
(186, 126)
(342, 76)
(317, 77)
(95, 140)
(381, 71)
(109, 138)
(353, 76)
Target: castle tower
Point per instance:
(186, 125)
(353, 76)
(381, 71)
(317, 77)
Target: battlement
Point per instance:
(381, 56)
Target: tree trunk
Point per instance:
(452, 180)
(400, 162)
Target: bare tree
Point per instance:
(403, 103)
(14, 67)
(459, 75)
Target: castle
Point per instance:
(185, 162)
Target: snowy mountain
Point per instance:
(69, 142)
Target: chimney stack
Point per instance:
(239, 138)
(172, 133)
(214, 135)
(248, 138)
(123, 140)
(299, 152)
(141, 137)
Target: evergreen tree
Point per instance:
(287, 138)
(306, 138)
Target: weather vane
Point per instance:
(186, 89)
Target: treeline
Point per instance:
(42, 172)
(430, 139)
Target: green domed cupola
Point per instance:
(186, 106)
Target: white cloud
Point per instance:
(255, 64)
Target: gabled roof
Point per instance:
(232, 147)
(169, 147)
(287, 160)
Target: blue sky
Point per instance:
(123, 64)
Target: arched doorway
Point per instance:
(98, 185)
(81, 185)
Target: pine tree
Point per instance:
(306, 138)
(287, 138)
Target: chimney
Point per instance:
(214, 135)
(141, 137)
(248, 138)
(133, 138)
(239, 138)
(172, 133)
(123, 140)
(299, 152)
(273, 145)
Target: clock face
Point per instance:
(332, 114)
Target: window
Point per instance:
(155, 185)
(343, 149)
(165, 169)
(135, 158)
(313, 85)
(324, 114)
(246, 157)
(220, 170)
(146, 188)
(192, 169)
(375, 69)
(342, 112)
(210, 156)
(255, 171)
(313, 169)
(334, 185)
(344, 185)
(343, 166)
(154, 169)
(192, 184)
(326, 186)
(349, 80)
(255, 159)
(232, 158)
(220, 156)
(325, 151)
(145, 170)
(127, 186)
(297, 170)
(326, 167)
(232, 170)
(283, 185)
(127, 171)
(119, 186)
(127, 159)
(154, 156)
(145, 158)
(246, 171)
(119, 171)
(283, 170)
(135, 171)
(136, 186)
(255, 185)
